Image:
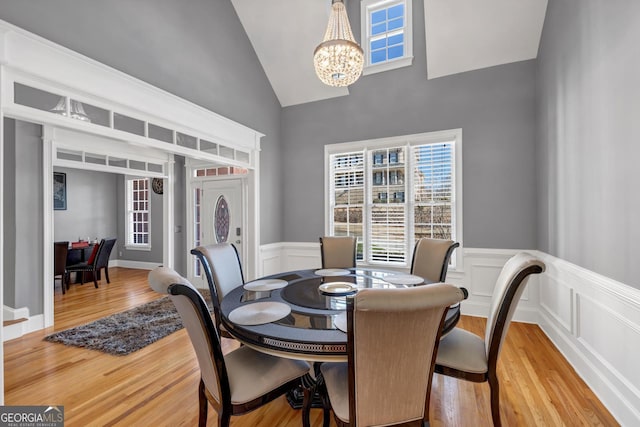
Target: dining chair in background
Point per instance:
(467, 356)
(235, 383)
(338, 252)
(223, 270)
(431, 258)
(392, 340)
(60, 251)
(98, 260)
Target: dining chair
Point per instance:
(467, 356)
(431, 258)
(223, 270)
(60, 251)
(235, 383)
(98, 260)
(338, 252)
(392, 340)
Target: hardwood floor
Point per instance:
(157, 386)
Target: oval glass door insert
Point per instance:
(221, 220)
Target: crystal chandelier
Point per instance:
(338, 60)
(76, 109)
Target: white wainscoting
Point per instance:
(594, 321)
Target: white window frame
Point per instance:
(408, 141)
(130, 245)
(366, 6)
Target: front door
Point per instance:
(222, 213)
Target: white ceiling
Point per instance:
(461, 35)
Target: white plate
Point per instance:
(340, 321)
(332, 272)
(404, 279)
(259, 313)
(265, 285)
(338, 288)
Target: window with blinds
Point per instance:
(390, 196)
(347, 196)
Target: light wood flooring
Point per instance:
(157, 386)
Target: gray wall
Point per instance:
(91, 206)
(588, 134)
(197, 50)
(9, 200)
(23, 217)
(495, 108)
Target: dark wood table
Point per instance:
(309, 332)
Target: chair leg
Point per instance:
(95, 278)
(495, 399)
(203, 406)
(106, 274)
(224, 418)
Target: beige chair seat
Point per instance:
(469, 357)
(253, 374)
(464, 351)
(235, 383)
(335, 375)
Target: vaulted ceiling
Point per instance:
(461, 35)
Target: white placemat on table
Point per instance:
(259, 313)
(403, 279)
(265, 285)
(332, 272)
(340, 321)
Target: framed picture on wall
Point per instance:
(59, 191)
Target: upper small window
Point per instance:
(386, 34)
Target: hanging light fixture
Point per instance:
(338, 60)
(77, 110)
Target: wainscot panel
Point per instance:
(595, 323)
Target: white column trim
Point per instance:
(47, 226)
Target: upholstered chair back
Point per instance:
(506, 294)
(338, 252)
(104, 252)
(393, 338)
(221, 264)
(431, 258)
(196, 319)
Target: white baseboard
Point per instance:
(9, 313)
(594, 321)
(140, 265)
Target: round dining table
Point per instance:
(312, 326)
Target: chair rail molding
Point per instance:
(594, 321)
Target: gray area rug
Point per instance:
(123, 333)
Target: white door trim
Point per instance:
(250, 217)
